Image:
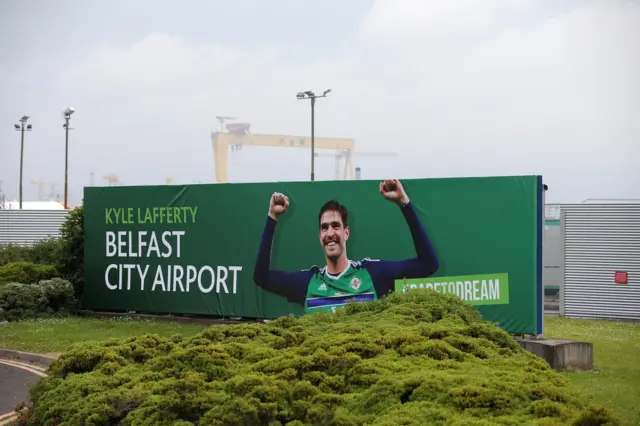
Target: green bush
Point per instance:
(59, 293)
(26, 272)
(21, 301)
(409, 359)
(24, 301)
(46, 252)
(71, 264)
(65, 254)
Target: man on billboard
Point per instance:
(342, 280)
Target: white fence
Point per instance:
(26, 227)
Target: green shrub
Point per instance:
(23, 301)
(412, 359)
(65, 255)
(71, 264)
(46, 252)
(26, 272)
(14, 253)
(59, 295)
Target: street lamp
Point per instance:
(66, 114)
(310, 95)
(22, 128)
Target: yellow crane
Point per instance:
(41, 183)
(239, 135)
(112, 178)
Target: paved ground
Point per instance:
(15, 382)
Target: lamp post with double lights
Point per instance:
(22, 127)
(66, 114)
(310, 95)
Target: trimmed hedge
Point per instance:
(409, 359)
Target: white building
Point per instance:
(34, 205)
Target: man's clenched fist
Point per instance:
(392, 190)
(278, 205)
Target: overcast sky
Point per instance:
(464, 88)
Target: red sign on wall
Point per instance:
(621, 277)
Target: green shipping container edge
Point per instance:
(191, 249)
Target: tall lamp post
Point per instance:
(66, 114)
(22, 127)
(310, 95)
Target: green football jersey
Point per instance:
(366, 280)
(327, 292)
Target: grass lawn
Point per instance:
(52, 336)
(615, 382)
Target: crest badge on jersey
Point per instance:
(355, 283)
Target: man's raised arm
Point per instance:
(292, 285)
(426, 262)
(385, 272)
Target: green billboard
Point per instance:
(265, 250)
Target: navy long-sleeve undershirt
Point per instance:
(293, 285)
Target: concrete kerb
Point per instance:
(11, 354)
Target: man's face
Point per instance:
(333, 234)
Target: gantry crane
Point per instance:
(112, 178)
(239, 135)
(41, 183)
(221, 119)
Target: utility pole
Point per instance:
(313, 139)
(310, 95)
(66, 114)
(22, 128)
(1, 197)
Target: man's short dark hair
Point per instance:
(334, 205)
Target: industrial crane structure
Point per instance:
(221, 119)
(41, 183)
(112, 178)
(239, 135)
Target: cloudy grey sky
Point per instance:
(465, 88)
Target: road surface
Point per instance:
(16, 378)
